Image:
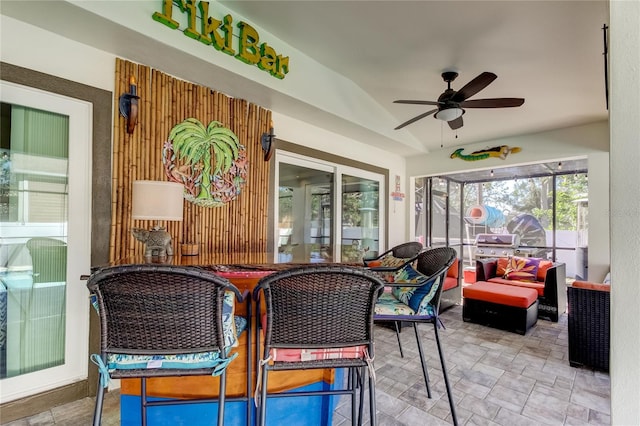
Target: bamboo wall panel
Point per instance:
(239, 228)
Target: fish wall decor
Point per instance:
(501, 152)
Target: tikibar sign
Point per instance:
(220, 35)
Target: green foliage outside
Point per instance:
(533, 196)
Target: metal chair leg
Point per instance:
(395, 323)
(446, 377)
(249, 331)
(263, 397)
(97, 413)
(221, 397)
(425, 373)
(143, 401)
(373, 419)
(361, 386)
(351, 385)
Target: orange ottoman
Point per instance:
(502, 306)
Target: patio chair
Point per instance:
(405, 251)
(416, 298)
(165, 321)
(49, 258)
(318, 317)
(589, 324)
(389, 263)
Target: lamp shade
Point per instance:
(157, 200)
(449, 114)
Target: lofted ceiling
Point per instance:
(548, 52)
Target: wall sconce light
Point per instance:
(491, 173)
(267, 143)
(129, 105)
(560, 165)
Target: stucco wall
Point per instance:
(75, 61)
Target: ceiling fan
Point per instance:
(451, 103)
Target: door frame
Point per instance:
(74, 367)
(102, 102)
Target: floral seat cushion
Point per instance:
(388, 304)
(232, 325)
(188, 361)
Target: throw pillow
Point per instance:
(522, 269)
(422, 296)
(453, 270)
(390, 261)
(543, 267)
(409, 275)
(501, 266)
(228, 322)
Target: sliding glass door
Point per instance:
(326, 212)
(45, 240)
(360, 224)
(305, 213)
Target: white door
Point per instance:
(45, 230)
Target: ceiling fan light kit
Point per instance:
(451, 103)
(449, 114)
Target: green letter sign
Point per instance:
(219, 34)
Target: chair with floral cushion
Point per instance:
(389, 263)
(165, 321)
(415, 298)
(318, 317)
(396, 257)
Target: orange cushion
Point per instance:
(543, 267)
(500, 294)
(501, 266)
(373, 263)
(591, 286)
(449, 283)
(537, 286)
(297, 355)
(453, 270)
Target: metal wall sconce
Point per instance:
(267, 143)
(128, 104)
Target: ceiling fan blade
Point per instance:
(456, 124)
(474, 86)
(404, 101)
(414, 119)
(493, 103)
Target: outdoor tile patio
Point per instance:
(497, 378)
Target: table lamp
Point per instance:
(156, 200)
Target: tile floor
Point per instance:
(497, 378)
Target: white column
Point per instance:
(624, 116)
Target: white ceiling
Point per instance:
(548, 52)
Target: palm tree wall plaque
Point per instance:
(209, 161)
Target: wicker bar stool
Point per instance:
(415, 298)
(165, 321)
(318, 317)
(390, 262)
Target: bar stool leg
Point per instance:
(395, 323)
(425, 373)
(446, 377)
